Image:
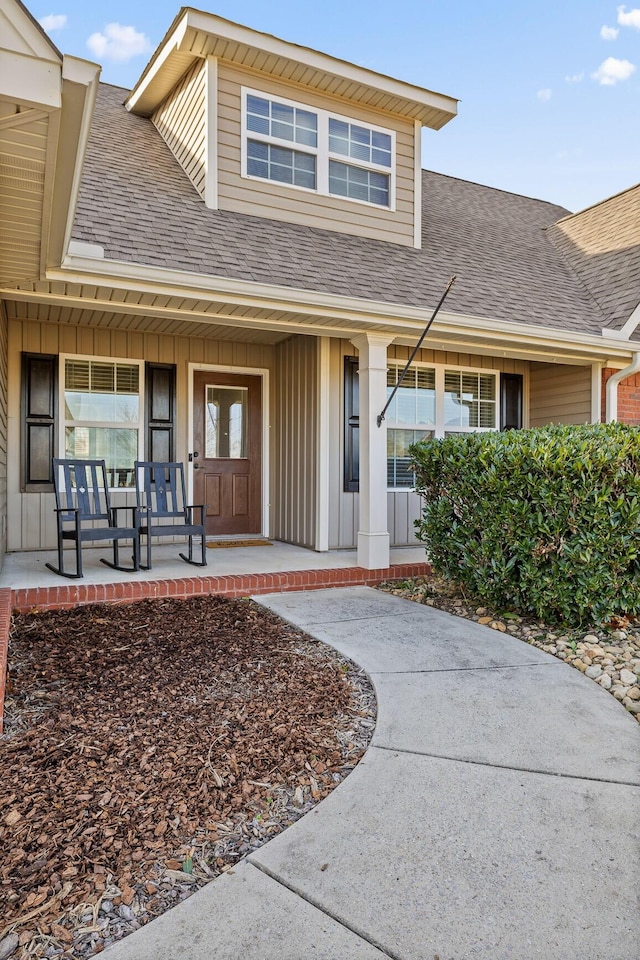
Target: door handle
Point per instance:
(196, 466)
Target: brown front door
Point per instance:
(227, 451)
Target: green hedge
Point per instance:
(544, 522)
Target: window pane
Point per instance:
(280, 111)
(116, 446)
(226, 422)
(399, 472)
(259, 124)
(275, 119)
(257, 105)
(102, 392)
(470, 400)
(281, 165)
(361, 143)
(360, 184)
(415, 400)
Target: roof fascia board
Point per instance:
(29, 31)
(79, 90)
(30, 82)
(170, 46)
(127, 276)
(195, 22)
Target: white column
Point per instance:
(373, 536)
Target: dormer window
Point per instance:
(316, 150)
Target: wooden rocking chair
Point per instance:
(163, 510)
(84, 513)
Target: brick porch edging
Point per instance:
(5, 627)
(64, 596)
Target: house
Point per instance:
(230, 264)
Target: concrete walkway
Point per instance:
(496, 814)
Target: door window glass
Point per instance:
(226, 422)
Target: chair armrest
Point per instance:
(75, 519)
(196, 506)
(114, 514)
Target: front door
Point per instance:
(227, 460)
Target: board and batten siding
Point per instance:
(181, 122)
(31, 517)
(295, 421)
(403, 506)
(559, 393)
(268, 199)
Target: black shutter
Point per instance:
(511, 401)
(160, 411)
(351, 426)
(39, 402)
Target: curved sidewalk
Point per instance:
(495, 816)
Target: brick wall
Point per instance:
(628, 398)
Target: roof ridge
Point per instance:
(599, 203)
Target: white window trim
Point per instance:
(440, 428)
(321, 152)
(62, 420)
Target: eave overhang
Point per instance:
(46, 100)
(195, 34)
(114, 286)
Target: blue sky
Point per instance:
(549, 90)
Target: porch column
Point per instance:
(373, 536)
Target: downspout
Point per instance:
(612, 387)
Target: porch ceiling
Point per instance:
(72, 303)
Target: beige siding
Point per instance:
(295, 422)
(267, 199)
(23, 151)
(559, 394)
(31, 517)
(181, 122)
(403, 507)
(3, 432)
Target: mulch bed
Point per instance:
(147, 748)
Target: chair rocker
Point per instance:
(163, 510)
(84, 514)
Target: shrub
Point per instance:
(544, 522)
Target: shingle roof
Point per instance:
(137, 203)
(602, 244)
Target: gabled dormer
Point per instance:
(268, 128)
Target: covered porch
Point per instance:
(231, 571)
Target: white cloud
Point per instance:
(575, 78)
(54, 21)
(118, 43)
(629, 18)
(609, 33)
(612, 70)
(544, 94)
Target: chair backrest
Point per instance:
(82, 485)
(160, 486)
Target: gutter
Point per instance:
(612, 387)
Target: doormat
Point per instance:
(216, 544)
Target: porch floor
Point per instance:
(233, 571)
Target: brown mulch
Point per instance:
(147, 748)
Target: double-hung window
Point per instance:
(317, 150)
(434, 401)
(102, 414)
